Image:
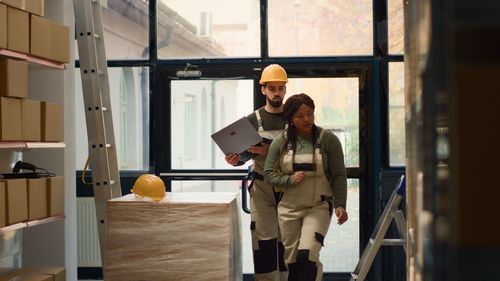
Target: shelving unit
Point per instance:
(26, 224)
(30, 145)
(22, 145)
(32, 59)
(49, 242)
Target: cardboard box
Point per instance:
(41, 274)
(49, 39)
(17, 200)
(55, 195)
(36, 7)
(195, 231)
(60, 43)
(20, 275)
(18, 30)
(52, 122)
(31, 6)
(58, 273)
(40, 37)
(30, 118)
(34, 277)
(3, 26)
(3, 204)
(13, 78)
(10, 119)
(14, 3)
(37, 198)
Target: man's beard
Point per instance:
(274, 102)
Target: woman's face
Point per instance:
(303, 120)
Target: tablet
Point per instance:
(237, 137)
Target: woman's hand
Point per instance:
(341, 214)
(299, 176)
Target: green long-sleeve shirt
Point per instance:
(333, 164)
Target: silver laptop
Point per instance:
(237, 137)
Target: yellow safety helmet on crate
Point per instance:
(149, 186)
(273, 73)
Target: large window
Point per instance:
(396, 114)
(200, 108)
(126, 29)
(204, 29)
(130, 108)
(396, 26)
(320, 28)
(337, 109)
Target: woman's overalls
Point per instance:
(268, 251)
(304, 213)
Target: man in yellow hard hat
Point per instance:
(267, 247)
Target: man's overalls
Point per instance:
(304, 213)
(267, 247)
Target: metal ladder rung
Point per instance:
(393, 242)
(389, 242)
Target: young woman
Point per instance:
(308, 163)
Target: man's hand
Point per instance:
(259, 149)
(232, 159)
(341, 214)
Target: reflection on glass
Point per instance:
(129, 91)
(395, 14)
(126, 29)
(320, 28)
(341, 252)
(396, 114)
(203, 29)
(337, 109)
(200, 108)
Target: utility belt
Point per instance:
(252, 176)
(258, 176)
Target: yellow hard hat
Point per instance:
(149, 186)
(273, 73)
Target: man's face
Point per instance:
(274, 92)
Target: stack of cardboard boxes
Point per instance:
(25, 35)
(24, 30)
(36, 274)
(186, 236)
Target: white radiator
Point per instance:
(89, 254)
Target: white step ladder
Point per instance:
(97, 101)
(377, 239)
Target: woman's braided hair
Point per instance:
(291, 106)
